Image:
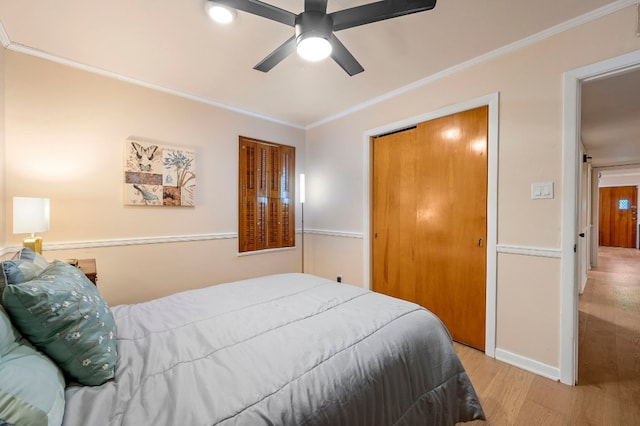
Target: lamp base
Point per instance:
(34, 243)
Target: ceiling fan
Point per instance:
(314, 27)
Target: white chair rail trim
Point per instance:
(128, 241)
(529, 251)
(330, 233)
(71, 245)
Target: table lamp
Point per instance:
(31, 215)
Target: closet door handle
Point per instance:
(480, 242)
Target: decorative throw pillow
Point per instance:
(16, 272)
(24, 266)
(62, 313)
(32, 386)
(29, 255)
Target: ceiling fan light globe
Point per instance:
(314, 48)
(219, 13)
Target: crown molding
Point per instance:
(515, 46)
(4, 37)
(543, 35)
(20, 48)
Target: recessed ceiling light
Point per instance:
(219, 13)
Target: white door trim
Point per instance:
(570, 164)
(492, 101)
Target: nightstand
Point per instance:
(88, 266)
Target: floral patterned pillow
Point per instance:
(62, 313)
(24, 266)
(29, 255)
(16, 272)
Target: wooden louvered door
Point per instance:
(266, 187)
(429, 219)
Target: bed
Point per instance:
(288, 349)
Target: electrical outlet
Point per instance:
(339, 278)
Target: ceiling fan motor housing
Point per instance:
(313, 24)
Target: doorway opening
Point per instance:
(573, 252)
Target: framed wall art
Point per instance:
(158, 175)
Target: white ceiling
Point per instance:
(174, 46)
(611, 121)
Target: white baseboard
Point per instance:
(583, 284)
(528, 364)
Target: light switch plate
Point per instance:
(541, 190)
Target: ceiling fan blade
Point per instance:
(256, 7)
(344, 58)
(275, 57)
(378, 11)
(315, 6)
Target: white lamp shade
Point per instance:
(30, 215)
(302, 190)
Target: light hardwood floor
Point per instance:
(608, 390)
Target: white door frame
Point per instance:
(570, 181)
(492, 101)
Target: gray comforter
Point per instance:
(290, 349)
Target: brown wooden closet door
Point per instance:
(617, 216)
(429, 219)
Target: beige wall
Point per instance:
(65, 134)
(529, 82)
(528, 307)
(3, 204)
(65, 129)
(620, 180)
(340, 262)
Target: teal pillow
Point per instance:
(62, 313)
(16, 272)
(32, 386)
(24, 266)
(29, 255)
